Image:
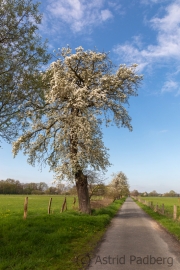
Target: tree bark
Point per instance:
(82, 191)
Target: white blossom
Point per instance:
(81, 89)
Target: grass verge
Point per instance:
(52, 242)
(168, 202)
(172, 226)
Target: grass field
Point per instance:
(37, 204)
(168, 202)
(48, 242)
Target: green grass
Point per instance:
(48, 242)
(169, 202)
(37, 204)
(168, 223)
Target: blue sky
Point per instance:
(146, 32)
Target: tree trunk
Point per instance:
(82, 191)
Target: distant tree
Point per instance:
(171, 193)
(66, 133)
(26, 189)
(51, 190)
(61, 188)
(30, 188)
(11, 186)
(95, 183)
(42, 186)
(134, 193)
(21, 55)
(73, 190)
(153, 193)
(1, 187)
(119, 186)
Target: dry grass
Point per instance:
(100, 203)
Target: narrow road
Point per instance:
(135, 241)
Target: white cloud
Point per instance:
(177, 71)
(78, 14)
(168, 41)
(137, 40)
(116, 6)
(170, 86)
(106, 14)
(131, 54)
(149, 2)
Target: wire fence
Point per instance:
(168, 211)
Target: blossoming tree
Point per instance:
(82, 91)
(119, 185)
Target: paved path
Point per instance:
(135, 242)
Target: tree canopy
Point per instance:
(81, 88)
(119, 185)
(81, 91)
(21, 56)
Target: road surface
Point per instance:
(135, 241)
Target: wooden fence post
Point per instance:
(156, 208)
(74, 201)
(175, 212)
(49, 206)
(163, 208)
(25, 207)
(64, 205)
(151, 204)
